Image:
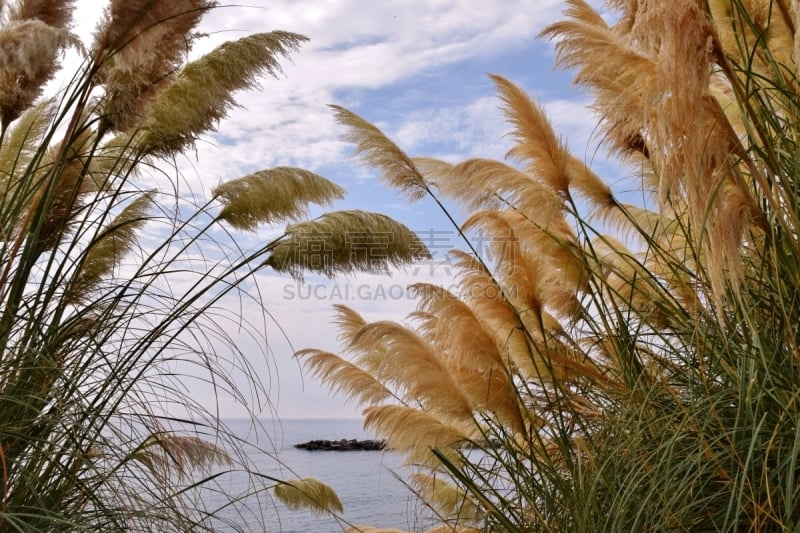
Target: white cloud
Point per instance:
(472, 130)
(574, 122)
(354, 44)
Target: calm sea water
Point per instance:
(366, 481)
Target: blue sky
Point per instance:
(417, 69)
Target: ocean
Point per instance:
(369, 483)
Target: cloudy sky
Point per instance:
(417, 69)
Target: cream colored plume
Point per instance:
(203, 91)
(346, 241)
(55, 13)
(309, 494)
(164, 453)
(110, 247)
(450, 502)
(141, 45)
(479, 183)
(414, 432)
(271, 195)
(29, 51)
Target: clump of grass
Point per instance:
(634, 365)
(107, 287)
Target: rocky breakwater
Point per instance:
(343, 445)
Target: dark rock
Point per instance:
(343, 445)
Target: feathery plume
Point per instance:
(55, 13)
(271, 195)
(114, 158)
(343, 242)
(697, 145)
(468, 351)
(146, 46)
(547, 156)
(485, 182)
(683, 72)
(163, 453)
(629, 282)
(536, 142)
(484, 296)
(21, 144)
(464, 333)
(589, 185)
(348, 322)
(59, 193)
(309, 494)
(202, 93)
(670, 256)
(767, 29)
(344, 377)
(410, 430)
(618, 75)
(517, 272)
(450, 502)
(378, 151)
(369, 358)
(433, 171)
(28, 59)
(110, 246)
(412, 366)
(538, 268)
(131, 29)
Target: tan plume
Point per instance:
(451, 503)
(416, 432)
(344, 377)
(20, 147)
(618, 75)
(433, 171)
(55, 13)
(131, 29)
(468, 351)
(163, 453)
(378, 151)
(488, 183)
(412, 366)
(536, 143)
(347, 321)
(59, 194)
(510, 329)
(589, 185)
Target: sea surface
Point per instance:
(369, 483)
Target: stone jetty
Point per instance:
(343, 445)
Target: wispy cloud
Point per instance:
(354, 46)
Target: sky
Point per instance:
(418, 70)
